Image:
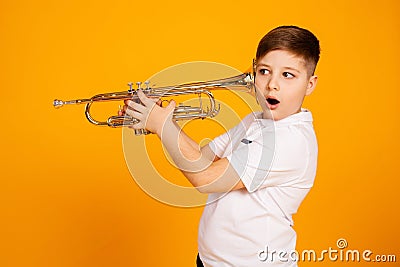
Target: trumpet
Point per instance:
(242, 82)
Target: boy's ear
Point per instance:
(311, 84)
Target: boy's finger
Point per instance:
(137, 107)
(135, 114)
(144, 99)
(155, 99)
(129, 104)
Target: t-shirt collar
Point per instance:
(303, 116)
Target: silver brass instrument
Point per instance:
(240, 82)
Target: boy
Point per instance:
(257, 173)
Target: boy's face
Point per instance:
(282, 82)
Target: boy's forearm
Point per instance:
(205, 171)
(186, 138)
(185, 152)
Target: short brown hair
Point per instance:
(296, 40)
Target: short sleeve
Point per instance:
(276, 158)
(252, 160)
(223, 145)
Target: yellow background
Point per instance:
(67, 198)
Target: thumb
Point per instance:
(171, 106)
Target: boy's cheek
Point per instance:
(260, 87)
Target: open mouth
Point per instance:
(273, 101)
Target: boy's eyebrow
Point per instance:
(287, 68)
(290, 68)
(262, 64)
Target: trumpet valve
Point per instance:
(130, 90)
(147, 84)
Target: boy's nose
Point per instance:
(273, 84)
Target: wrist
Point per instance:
(165, 128)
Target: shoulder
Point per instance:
(295, 141)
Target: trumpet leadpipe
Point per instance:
(57, 103)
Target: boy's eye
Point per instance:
(264, 71)
(287, 75)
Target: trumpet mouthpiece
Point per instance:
(58, 103)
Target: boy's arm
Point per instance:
(200, 166)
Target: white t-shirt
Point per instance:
(276, 161)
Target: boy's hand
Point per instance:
(151, 115)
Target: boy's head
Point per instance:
(293, 39)
(284, 70)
